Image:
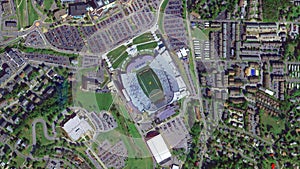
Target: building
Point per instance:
(159, 149)
(76, 128)
(11, 24)
(78, 10)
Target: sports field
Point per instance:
(149, 82)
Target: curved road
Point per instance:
(40, 120)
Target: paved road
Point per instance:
(39, 120)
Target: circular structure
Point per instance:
(151, 83)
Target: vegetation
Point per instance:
(48, 3)
(272, 12)
(211, 9)
(149, 46)
(92, 101)
(32, 14)
(198, 34)
(143, 38)
(192, 156)
(21, 13)
(292, 49)
(114, 54)
(149, 81)
(164, 5)
(272, 124)
(25, 13)
(116, 63)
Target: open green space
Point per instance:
(32, 14)
(137, 163)
(184, 3)
(116, 63)
(40, 135)
(114, 54)
(199, 34)
(271, 124)
(271, 9)
(164, 5)
(93, 101)
(25, 13)
(150, 45)
(21, 13)
(149, 81)
(47, 4)
(143, 38)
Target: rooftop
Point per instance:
(159, 148)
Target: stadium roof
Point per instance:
(76, 127)
(159, 148)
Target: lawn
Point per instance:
(276, 124)
(104, 100)
(143, 38)
(47, 4)
(116, 63)
(208, 30)
(114, 54)
(198, 34)
(150, 45)
(46, 51)
(192, 69)
(32, 14)
(93, 101)
(164, 5)
(21, 13)
(19, 160)
(145, 163)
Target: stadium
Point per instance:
(152, 82)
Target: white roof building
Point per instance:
(76, 127)
(159, 148)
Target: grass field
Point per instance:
(150, 45)
(114, 54)
(93, 101)
(32, 15)
(146, 37)
(116, 63)
(25, 12)
(148, 81)
(198, 34)
(48, 4)
(21, 13)
(277, 125)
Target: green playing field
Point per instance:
(149, 82)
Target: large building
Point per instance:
(152, 83)
(76, 128)
(159, 149)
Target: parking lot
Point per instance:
(65, 37)
(174, 25)
(118, 28)
(174, 131)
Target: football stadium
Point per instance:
(152, 82)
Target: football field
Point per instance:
(149, 82)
